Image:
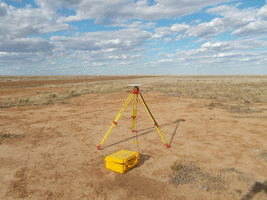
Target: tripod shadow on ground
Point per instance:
(257, 187)
(126, 139)
(176, 121)
(175, 130)
(152, 129)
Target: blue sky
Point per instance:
(133, 37)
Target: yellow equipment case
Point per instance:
(122, 161)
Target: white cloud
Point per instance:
(26, 45)
(169, 40)
(52, 4)
(177, 28)
(234, 17)
(252, 29)
(174, 29)
(263, 12)
(222, 10)
(134, 24)
(148, 25)
(231, 19)
(240, 22)
(237, 45)
(16, 25)
(228, 53)
(165, 60)
(216, 46)
(20, 23)
(104, 45)
(3, 10)
(208, 29)
(196, 21)
(131, 9)
(246, 22)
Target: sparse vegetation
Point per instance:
(78, 89)
(259, 116)
(235, 94)
(225, 89)
(47, 98)
(244, 91)
(236, 108)
(4, 135)
(184, 173)
(263, 155)
(189, 174)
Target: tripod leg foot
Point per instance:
(98, 147)
(168, 146)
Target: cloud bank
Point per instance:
(132, 31)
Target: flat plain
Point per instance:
(50, 127)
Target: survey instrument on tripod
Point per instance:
(134, 95)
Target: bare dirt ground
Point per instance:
(51, 153)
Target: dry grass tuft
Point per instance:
(46, 98)
(263, 155)
(236, 108)
(184, 173)
(189, 174)
(259, 116)
(4, 135)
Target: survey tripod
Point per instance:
(134, 95)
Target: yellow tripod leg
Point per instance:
(135, 101)
(133, 114)
(154, 121)
(116, 119)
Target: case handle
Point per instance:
(131, 163)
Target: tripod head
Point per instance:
(135, 86)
